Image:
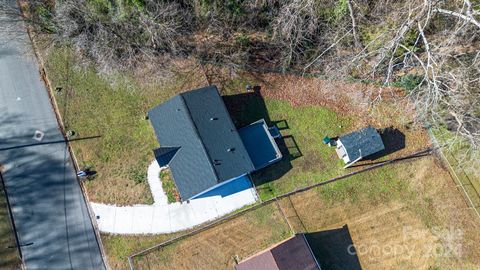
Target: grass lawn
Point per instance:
(468, 173)
(219, 247)
(417, 207)
(413, 220)
(115, 110)
(307, 160)
(119, 247)
(8, 252)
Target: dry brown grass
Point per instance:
(218, 247)
(418, 223)
(342, 97)
(410, 231)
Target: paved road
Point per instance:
(49, 210)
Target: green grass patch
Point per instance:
(169, 186)
(114, 109)
(119, 247)
(465, 166)
(306, 159)
(377, 186)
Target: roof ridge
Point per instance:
(233, 124)
(197, 133)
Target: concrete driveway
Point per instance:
(50, 213)
(162, 217)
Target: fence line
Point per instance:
(284, 216)
(453, 173)
(256, 206)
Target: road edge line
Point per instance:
(53, 101)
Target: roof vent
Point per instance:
(216, 162)
(213, 118)
(231, 149)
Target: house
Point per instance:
(203, 149)
(328, 249)
(292, 254)
(357, 145)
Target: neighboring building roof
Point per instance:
(293, 254)
(199, 141)
(364, 142)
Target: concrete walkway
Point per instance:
(162, 217)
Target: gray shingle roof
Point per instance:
(367, 141)
(165, 154)
(211, 150)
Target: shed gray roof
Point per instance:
(210, 148)
(366, 140)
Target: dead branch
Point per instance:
(354, 25)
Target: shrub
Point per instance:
(408, 82)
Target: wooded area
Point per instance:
(428, 47)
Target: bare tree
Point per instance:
(429, 46)
(435, 43)
(116, 39)
(297, 23)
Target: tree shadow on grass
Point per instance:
(49, 211)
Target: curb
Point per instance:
(58, 116)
